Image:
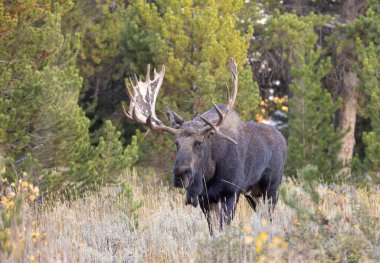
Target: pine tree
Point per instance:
(44, 132)
(100, 165)
(367, 42)
(41, 86)
(311, 136)
(371, 71)
(100, 58)
(194, 40)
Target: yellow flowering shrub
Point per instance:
(15, 198)
(274, 246)
(270, 105)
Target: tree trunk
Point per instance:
(350, 11)
(347, 121)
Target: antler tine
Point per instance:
(153, 126)
(148, 72)
(233, 68)
(162, 71)
(220, 114)
(212, 126)
(129, 93)
(232, 96)
(215, 126)
(136, 79)
(126, 113)
(132, 115)
(130, 80)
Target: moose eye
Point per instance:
(197, 145)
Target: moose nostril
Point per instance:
(187, 171)
(182, 171)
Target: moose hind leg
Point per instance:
(271, 199)
(272, 192)
(269, 184)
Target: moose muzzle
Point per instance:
(182, 176)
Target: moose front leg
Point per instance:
(213, 213)
(229, 203)
(204, 203)
(191, 199)
(209, 222)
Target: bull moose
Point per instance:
(219, 157)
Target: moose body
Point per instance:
(219, 157)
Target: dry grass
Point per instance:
(100, 228)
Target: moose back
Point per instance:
(219, 157)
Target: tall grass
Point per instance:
(101, 227)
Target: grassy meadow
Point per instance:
(133, 222)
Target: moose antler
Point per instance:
(231, 101)
(143, 101)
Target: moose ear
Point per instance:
(176, 121)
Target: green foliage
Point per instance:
(194, 41)
(248, 95)
(308, 176)
(369, 72)
(371, 69)
(43, 129)
(40, 88)
(100, 165)
(59, 125)
(133, 206)
(312, 139)
(99, 59)
(293, 33)
(110, 157)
